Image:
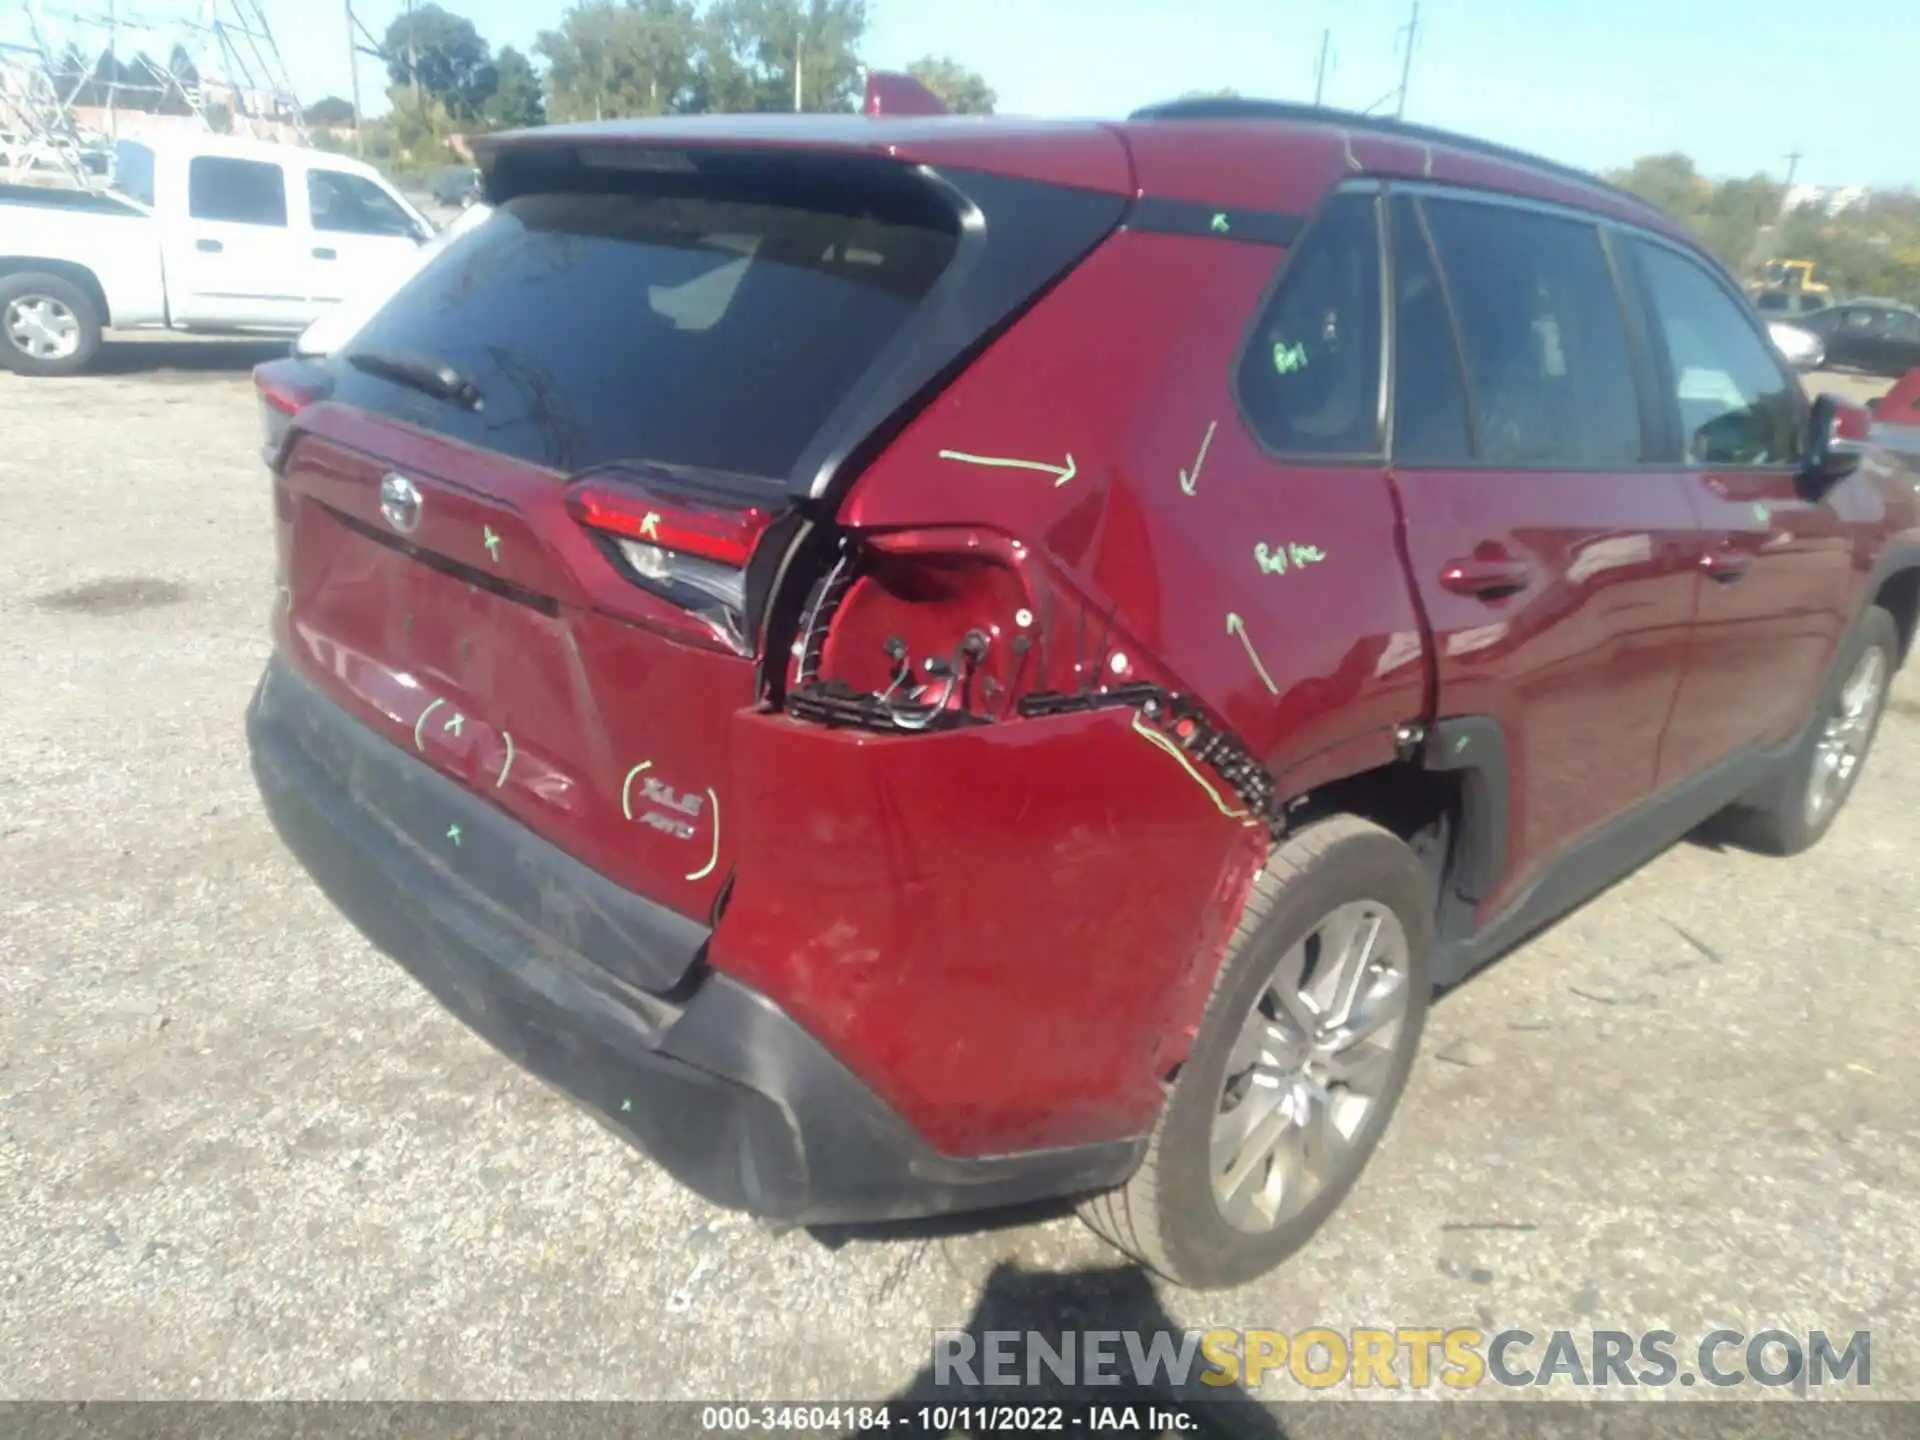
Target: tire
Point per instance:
(1169, 1216)
(27, 344)
(1792, 815)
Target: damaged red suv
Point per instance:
(912, 665)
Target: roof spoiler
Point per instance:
(891, 93)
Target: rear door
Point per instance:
(1556, 566)
(363, 237)
(1777, 567)
(232, 249)
(535, 578)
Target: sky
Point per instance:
(1738, 84)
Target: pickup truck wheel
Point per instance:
(48, 326)
(1301, 1056)
(1826, 764)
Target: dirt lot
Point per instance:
(242, 1155)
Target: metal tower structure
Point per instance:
(73, 81)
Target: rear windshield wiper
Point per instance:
(430, 377)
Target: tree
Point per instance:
(1868, 249)
(965, 91)
(329, 112)
(442, 55)
(516, 101)
(753, 47)
(608, 59)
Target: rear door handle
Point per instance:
(1487, 576)
(322, 252)
(1725, 564)
(212, 247)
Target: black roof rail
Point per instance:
(1226, 107)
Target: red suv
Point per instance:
(914, 664)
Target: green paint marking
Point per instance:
(626, 1107)
(1274, 559)
(1061, 474)
(1289, 358)
(453, 834)
(1761, 513)
(492, 542)
(1220, 226)
(418, 743)
(506, 735)
(1237, 626)
(1188, 482)
(455, 726)
(1460, 743)
(705, 870)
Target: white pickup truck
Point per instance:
(198, 233)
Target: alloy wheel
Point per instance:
(1842, 746)
(1310, 1067)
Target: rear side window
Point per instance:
(1429, 397)
(343, 204)
(1735, 401)
(717, 333)
(239, 192)
(1309, 379)
(1545, 337)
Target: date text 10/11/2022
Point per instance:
(941, 1420)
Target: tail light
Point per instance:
(938, 629)
(692, 549)
(916, 630)
(286, 387)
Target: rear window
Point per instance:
(716, 333)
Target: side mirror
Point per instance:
(1837, 441)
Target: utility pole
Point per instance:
(353, 70)
(1320, 68)
(1406, 62)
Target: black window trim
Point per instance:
(1657, 415)
(1423, 238)
(1383, 414)
(1663, 360)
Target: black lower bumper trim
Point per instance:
(720, 1086)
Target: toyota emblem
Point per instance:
(400, 503)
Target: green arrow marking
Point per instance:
(1220, 226)
(626, 1107)
(455, 726)
(492, 542)
(1188, 482)
(1237, 626)
(453, 834)
(1062, 474)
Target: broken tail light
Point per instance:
(931, 630)
(915, 630)
(691, 549)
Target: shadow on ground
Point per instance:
(193, 357)
(1016, 1302)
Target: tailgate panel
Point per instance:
(604, 733)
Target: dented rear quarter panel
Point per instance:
(1010, 930)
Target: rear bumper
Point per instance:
(711, 1079)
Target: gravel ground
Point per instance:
(241, 1155)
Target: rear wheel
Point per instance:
(1302, 1055)
(48, 325)
(1802, 804)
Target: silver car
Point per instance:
(1804, 349)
